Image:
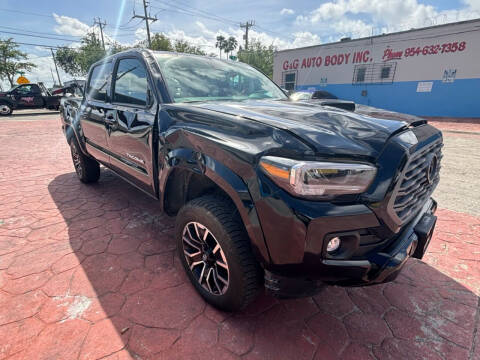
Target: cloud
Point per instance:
(70, 26)
(141, 33)
(286, 11)
(360, 18)
(345, 27)
(43, 71)
(304, 38)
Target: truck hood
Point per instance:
(326, 130)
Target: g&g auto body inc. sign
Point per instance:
(429, 54)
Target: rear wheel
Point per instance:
(5, 110)
(87, 169)
(215, 251)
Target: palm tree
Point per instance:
(231, 44)
(221, 43)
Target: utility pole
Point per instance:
(56, 68)
(53, 78)
(246, 26)
(146, 18)
(97, 21)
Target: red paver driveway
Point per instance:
(89, 272)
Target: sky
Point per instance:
(285, 24)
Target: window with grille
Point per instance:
(377, 73)
(385, 73)
(289, 81)
(360, 75)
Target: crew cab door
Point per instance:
(93, 112)
(28, 96)
(132, 118)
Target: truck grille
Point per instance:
(420, 177)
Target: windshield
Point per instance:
(14, 87)
(300, 96)
(195, 78)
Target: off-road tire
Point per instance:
(222, 220)
(87, 169)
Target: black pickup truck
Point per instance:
(266, 191)
(27, 96)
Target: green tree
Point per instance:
(160, 42)
(11, 61)
(259, 56)
(183, 46)
(76, 62)
(221, 43)
(231, 44)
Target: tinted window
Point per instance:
(131, 83)
(97, 86)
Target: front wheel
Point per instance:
(5, 110)
(87, 169)
(215, 251)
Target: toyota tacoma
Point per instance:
(267, 192)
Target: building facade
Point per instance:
(432, 71)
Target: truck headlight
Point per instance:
(311, 178)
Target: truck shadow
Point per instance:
(128, 273)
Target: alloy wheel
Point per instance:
(205, 258)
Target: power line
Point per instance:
(38, 36)
(33, 14)
(184, 11)
(56, 47)
(38, 32)
(198, 12)
(26, 13)
(207, 15)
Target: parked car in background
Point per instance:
(27, 96)
(266, 191)
(323, 98)
(70, 88)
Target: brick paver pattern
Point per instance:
(89, 271)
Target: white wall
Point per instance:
(374, 50)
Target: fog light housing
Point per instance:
(333, 244)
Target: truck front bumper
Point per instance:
(378, 266)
